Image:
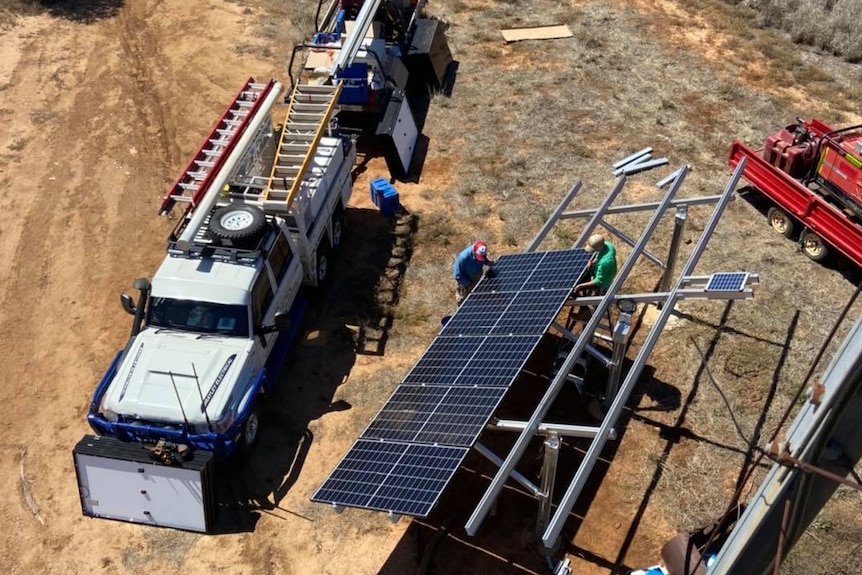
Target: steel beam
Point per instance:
(492, 457)
(564, 429)
(631, 208)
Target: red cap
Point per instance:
(480, 251)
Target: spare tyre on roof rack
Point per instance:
(237, 225)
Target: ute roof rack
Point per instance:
(206, 246)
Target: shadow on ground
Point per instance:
(82, 11)
(361, 290)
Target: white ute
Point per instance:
(212, 329)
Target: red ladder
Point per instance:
(194, 181)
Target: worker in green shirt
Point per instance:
(602, 267)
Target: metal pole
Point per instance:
(678, 229)
(563, 429)
(521, 444)
(492, 457)
(624, 237)
(549, 475)
(570, 195)
(580, 479)
(631, 208)
(353, 42)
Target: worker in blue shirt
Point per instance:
(468, 268)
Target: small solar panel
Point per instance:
(396, 477)
(732, 281)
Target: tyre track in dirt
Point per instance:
(59, 321)
(140, 43)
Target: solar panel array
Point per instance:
(726, 282)
(408, 453)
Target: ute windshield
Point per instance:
(199, 316)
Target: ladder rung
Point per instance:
(212, 153)
(232, 122)
(197, 175)
(205, 163)
(308, 106)
(179, 198)
(189, 187)
(316, 88)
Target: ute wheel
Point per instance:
(780, 222)
(237, 223)
(250, 433)
(321, 270)
(813, 247)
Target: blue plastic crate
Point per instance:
(389, 202)
(384, 196)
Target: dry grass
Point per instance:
(830, 25)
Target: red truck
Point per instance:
(812, 174)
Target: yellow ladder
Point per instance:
(306, 121)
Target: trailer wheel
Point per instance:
(813, 247)
(780, 222)
(250, 433)
(237, 223)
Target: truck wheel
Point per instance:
(321, 270)
(813, 247)
(337, 228)
(250, 433)
(237, 223)
(780, 222)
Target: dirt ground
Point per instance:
(100, 108)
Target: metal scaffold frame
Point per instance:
(684, 286)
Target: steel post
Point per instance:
(549, 475)
(621, 340)
(679, 221)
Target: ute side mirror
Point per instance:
(128, 303)
(281, 322)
